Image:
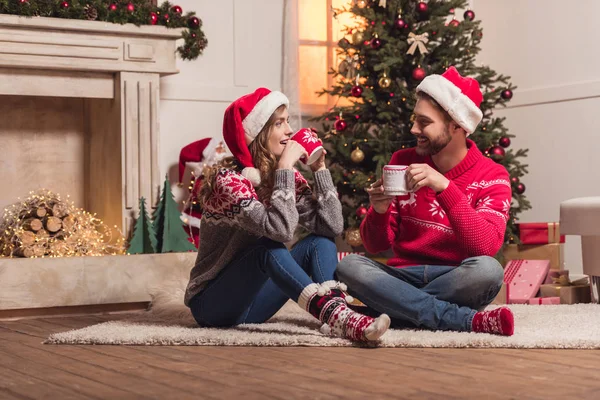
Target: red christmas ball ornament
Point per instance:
(24, 1)
(469, 15)
(340, 125)
(176, 10)
(454, 23)
(422, 7)
(514, 180)
(506, 94)
(166, 18)
(504, 141)
(356, 91)
(497, 153)
(194, 23)
(153, 18)
(361, 212)
(520, 188)
(419, 74)
(130, 7)
(112, 7)
(401, 24)
(376, 43)
(64, 5)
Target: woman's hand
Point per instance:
(291, 154)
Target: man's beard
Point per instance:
(437, 145)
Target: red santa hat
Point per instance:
(243, 121)
(459, 96)
(193, 152)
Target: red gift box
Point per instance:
(540, 233)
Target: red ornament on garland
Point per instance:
(507, 94)
(419, 74)
(422, 7)
(376, 43)
(497, 153)
(356, 91)
(166, 18)
(64, 5)
(504, 141)
(130, 7)
(520, 188)
(514, 180)
(340, 125)
(176, 10)
(153, 18)
(454, 23)
(194, 23)
(469, 14)
(401, 24)
(112, 7)
(24, 1)
(361, 212)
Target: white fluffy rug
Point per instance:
(539, 326)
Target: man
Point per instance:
(444, 234)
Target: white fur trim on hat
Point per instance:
(260, 114)
(460, 107)
(252, 174)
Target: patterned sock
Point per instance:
(327, 306)
(499, 322)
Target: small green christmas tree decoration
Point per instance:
(143, 240)
(168, 226)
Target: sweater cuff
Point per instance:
(323, 181)
(450, 196)
(284, 179)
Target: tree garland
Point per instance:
(138, 12)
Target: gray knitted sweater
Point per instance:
(234, 219)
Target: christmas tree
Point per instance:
(143, 240)
(390, 50)
(169, 231)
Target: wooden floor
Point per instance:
(32, 370)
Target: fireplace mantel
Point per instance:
(116, 70)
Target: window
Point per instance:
(319, 33)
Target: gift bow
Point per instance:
(417, 41)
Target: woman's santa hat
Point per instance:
(243, 121)
(459, 96)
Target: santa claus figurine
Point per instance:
(197, 156)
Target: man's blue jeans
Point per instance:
(258, 282)
(430, 296)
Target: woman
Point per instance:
(252, 204)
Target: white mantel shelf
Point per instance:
(93, 46)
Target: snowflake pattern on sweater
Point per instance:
(467, 219)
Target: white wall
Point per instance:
(550, 52)
(243, 53)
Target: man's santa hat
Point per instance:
(459, 96)
(243, 121)
(198, 153)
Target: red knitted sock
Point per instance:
(499, 322)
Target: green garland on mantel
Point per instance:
(138, 12)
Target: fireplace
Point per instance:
(80, 105)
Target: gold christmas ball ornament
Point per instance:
(385, 82)
(357, 155)
(361, 3)
(358, 37)
(353, 237)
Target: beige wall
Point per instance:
(243, 53)
(550, 52)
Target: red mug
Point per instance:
(311, 144)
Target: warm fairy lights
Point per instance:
(44, 225)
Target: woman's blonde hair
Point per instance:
(263, 159)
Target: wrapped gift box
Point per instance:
(544, 300)
(553, 252)
(540, 233)
(568, 294)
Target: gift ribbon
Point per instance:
(417, 41)
(553, 232)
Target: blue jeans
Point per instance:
(259, 281)
(430, 296)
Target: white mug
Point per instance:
(394, 180)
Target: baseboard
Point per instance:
(24, 313)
